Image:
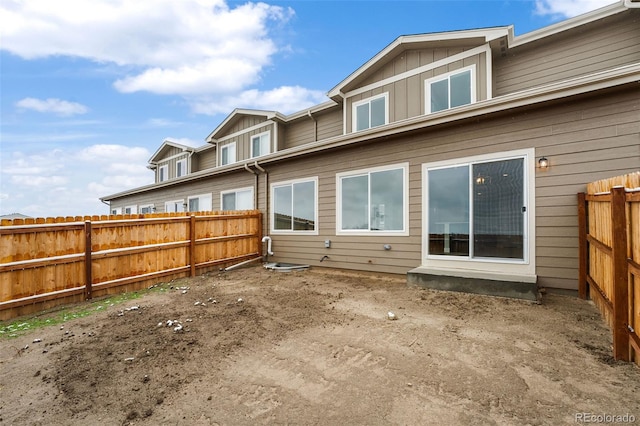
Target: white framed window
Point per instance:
(228, 154)
(130, 210)
(174, 206)
(479, 211)
(200, 203)
(450, 90)
(373, 201)
(147, 208)
(237, 199)
(371, 112)
(261, 144)
(163, 173)
(294, 206)
(181, 167)
(117, 210)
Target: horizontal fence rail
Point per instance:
(609, 245)
(47, 262)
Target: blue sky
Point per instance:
(90, 89)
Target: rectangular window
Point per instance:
(147, 209)
(181, 167)
(373, 201)
(163, 173)
(371, 112)
(228, 154)
(260, 144)
(294, 206)
(174, 206)
(200, 203)
(450, 90)
(117, 210)
(131, 210)
(477, 210)
(237, 199)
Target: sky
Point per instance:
(89, 90)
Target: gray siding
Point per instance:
(243, 141)
(205, 159)
(608, 44)
(172, 163)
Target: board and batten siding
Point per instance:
(206, 159)
(407, 96)
(584, 138)
(243, 141)
(608, 44)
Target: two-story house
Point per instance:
(452, 157)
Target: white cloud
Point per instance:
(70, 182)
(52, 105)
(569, 8)
(285, 99)
(167, 46)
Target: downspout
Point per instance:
(315, 126)
(255, 193)
(266, 192)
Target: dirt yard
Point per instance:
(252, 346)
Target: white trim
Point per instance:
(510, 269)
(405, 201)
(368, 100)
(175, 203)
(235, 153)
(115, 211)
(235, 191)
(151, 207)
(447, 76)
(245, 131)
(292, 182)
(164, 167)
(185, 171)
(260, 135)
(485, 48)
(133, 209)
(200, 198)
(184, 154)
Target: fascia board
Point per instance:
(170, 143)
(239, 111)
(576, 86)
(568, 24)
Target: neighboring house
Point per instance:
(429, 159)
(12, 216)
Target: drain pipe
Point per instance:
(268, 241)
(315, 126)
(266, 192)
(255, 194)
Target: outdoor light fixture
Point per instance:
(543, 163)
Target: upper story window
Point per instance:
(371, 112)
(260, 144)
(163, 173)
(237, 199)
(228, 154)
(181, 167)
(450, 90)
(295, 206)
(373, 201)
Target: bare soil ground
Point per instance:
(317, 347)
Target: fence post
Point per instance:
(192, 245)
(88, 278)
(583, 247)
(620, 274)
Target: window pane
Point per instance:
(231, 154)
(440, 95)
(304, 195)
(362, 117)
(498, 220)
(282, 202)
(256, 146)
(244, 200)
(229, 201)
(378, 112)
(461, 89)
(355, 202)
(225, 155)
(387, 193)
(193, 205)
(449, 211)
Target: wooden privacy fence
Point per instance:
(609, 244)
(48, 262)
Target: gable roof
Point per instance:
(170, 143)
(238, 114)
(476, 37)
